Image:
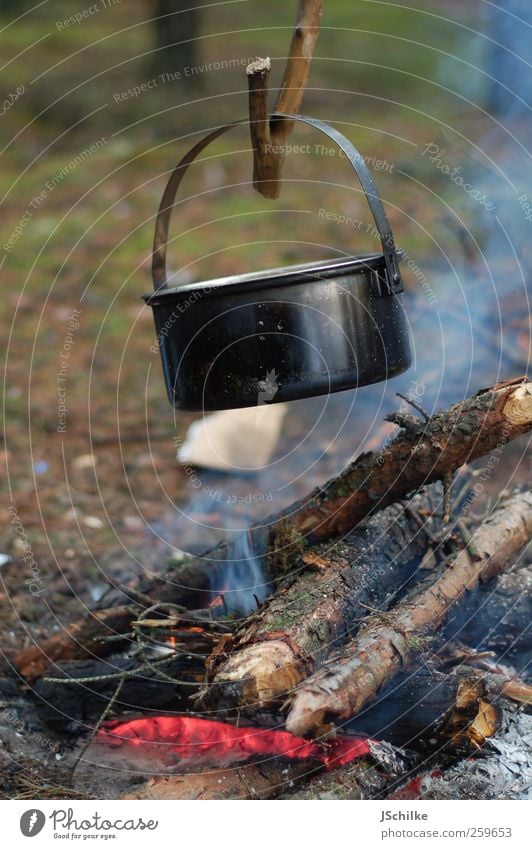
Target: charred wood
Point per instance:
(503, 771)
(362, 779)
(497, 617)
(89, 685)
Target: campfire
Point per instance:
(338, 605)
(347, 646)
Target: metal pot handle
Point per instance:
(389, 249)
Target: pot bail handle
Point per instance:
(389, 249)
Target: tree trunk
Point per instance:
(176, 24)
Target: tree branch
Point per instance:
(269, 137)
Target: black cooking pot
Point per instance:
(282, 334)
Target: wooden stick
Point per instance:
(269, 138)
(346, 683)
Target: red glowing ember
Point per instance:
(203, 741)
(415, 788)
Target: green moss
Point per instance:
(416, 643)
(287, 545)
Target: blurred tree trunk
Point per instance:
(176, 33)
(509, 24)
(14, 8)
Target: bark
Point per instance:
(265, 780)
(463, 433)
(386, 644)
(301, 625)
(269, 137)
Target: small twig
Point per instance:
(466, 486)
(94, 731)
(115, 638)
(374, 610)
(110, 676)
(447, 496)
(405, 421)
(468, 539)
(415, 405)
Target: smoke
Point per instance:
(238, 582)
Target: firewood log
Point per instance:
(265, 780)
(433, 711)
(373, 481)
(449, 439)
(386, 643)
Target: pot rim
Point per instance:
(273, 277)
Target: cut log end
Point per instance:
(259, 66)
(518, 408)
(258, 674)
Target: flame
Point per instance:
(181, 632)
(238, 583)
(218, 600)
(196, 740)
